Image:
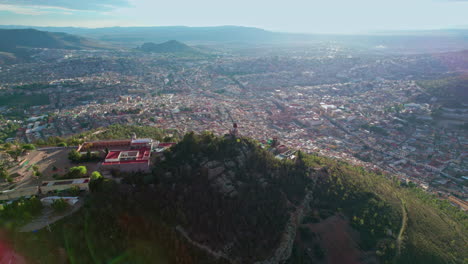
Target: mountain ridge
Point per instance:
(16, 39)
(415, 41)
(171, 46)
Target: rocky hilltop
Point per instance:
(238, 187)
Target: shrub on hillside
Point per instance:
(60, 205)
(96, 181)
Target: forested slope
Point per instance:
(227, 200)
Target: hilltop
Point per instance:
(229, 200)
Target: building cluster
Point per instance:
(123, 155)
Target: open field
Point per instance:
(50, 162)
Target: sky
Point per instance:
(305, 16)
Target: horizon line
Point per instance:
(370, 32)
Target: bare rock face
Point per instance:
(231, 175)
(230, 164)
(263, 182)
(187, 167)
(212, 164)
(224, 184)
(213, 173)
(222, 180)
(221, 177)
(240, 161)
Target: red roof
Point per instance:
(142, 157)
(113, 154)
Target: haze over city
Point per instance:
(305, 16)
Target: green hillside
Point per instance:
(17, 41)
(227, 200)
(6, 57)
(452, 91)
(172, 46)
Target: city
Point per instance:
(242, 132)
(373, 114)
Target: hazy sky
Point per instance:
(321, 16)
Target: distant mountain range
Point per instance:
(172, 46)
(162, 34)
(18, 41)
(16, 44)
(415, 41)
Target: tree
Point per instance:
(88, 155)
(168, 139)
(300, 163)
(75, 141)
(74, 156)
(96, 175)
(77, 157)
(36, 171)
(3, 173)
(96, 181)
(20, 211)
(62, 144)
(75, 190)
(40, 142)
(29, 147)
(15, 153)
(77, 172)
(59, 205)
(34, 205)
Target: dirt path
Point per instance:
(49, 217)
(284, 250)
(215, 254)
(404, 222)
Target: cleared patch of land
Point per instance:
(338, 240)
(50, 162)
